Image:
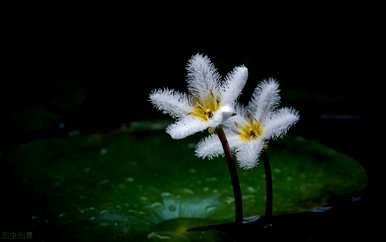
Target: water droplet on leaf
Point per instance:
(251, 189)
(210, 209)
(87, 169)
(166, 194)
(103, 151)
(192, 171)
(103, 182)
(188, 191)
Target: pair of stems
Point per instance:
(236, 184)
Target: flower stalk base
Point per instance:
(268, 187)
(233, 174)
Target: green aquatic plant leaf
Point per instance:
(137, 186)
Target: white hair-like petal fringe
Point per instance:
(265, 99)
(248, 153)
(185, 127)
(171, 102)
(279, 122)
(209, 147)
(233, 85)
(202, 76)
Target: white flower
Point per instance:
(252, 127)
(209, 104)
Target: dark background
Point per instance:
(95, 75)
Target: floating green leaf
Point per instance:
(147, 187)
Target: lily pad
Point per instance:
(144, 186)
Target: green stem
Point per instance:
(233, 174)
(268, 186)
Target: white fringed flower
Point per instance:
(252, 127)
(210, 102)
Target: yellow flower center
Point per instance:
(204, 109)
(251, 130)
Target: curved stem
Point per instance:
(268, 186)
(233, 174)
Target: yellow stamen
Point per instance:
(211, 130)
(251, 130)
(204, 109)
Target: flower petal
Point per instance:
(186, 126)
(202, 76)
(211, 146)
(233, 85)
(264, 99)
(248, 153)
(171, 102)
(279, 122)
